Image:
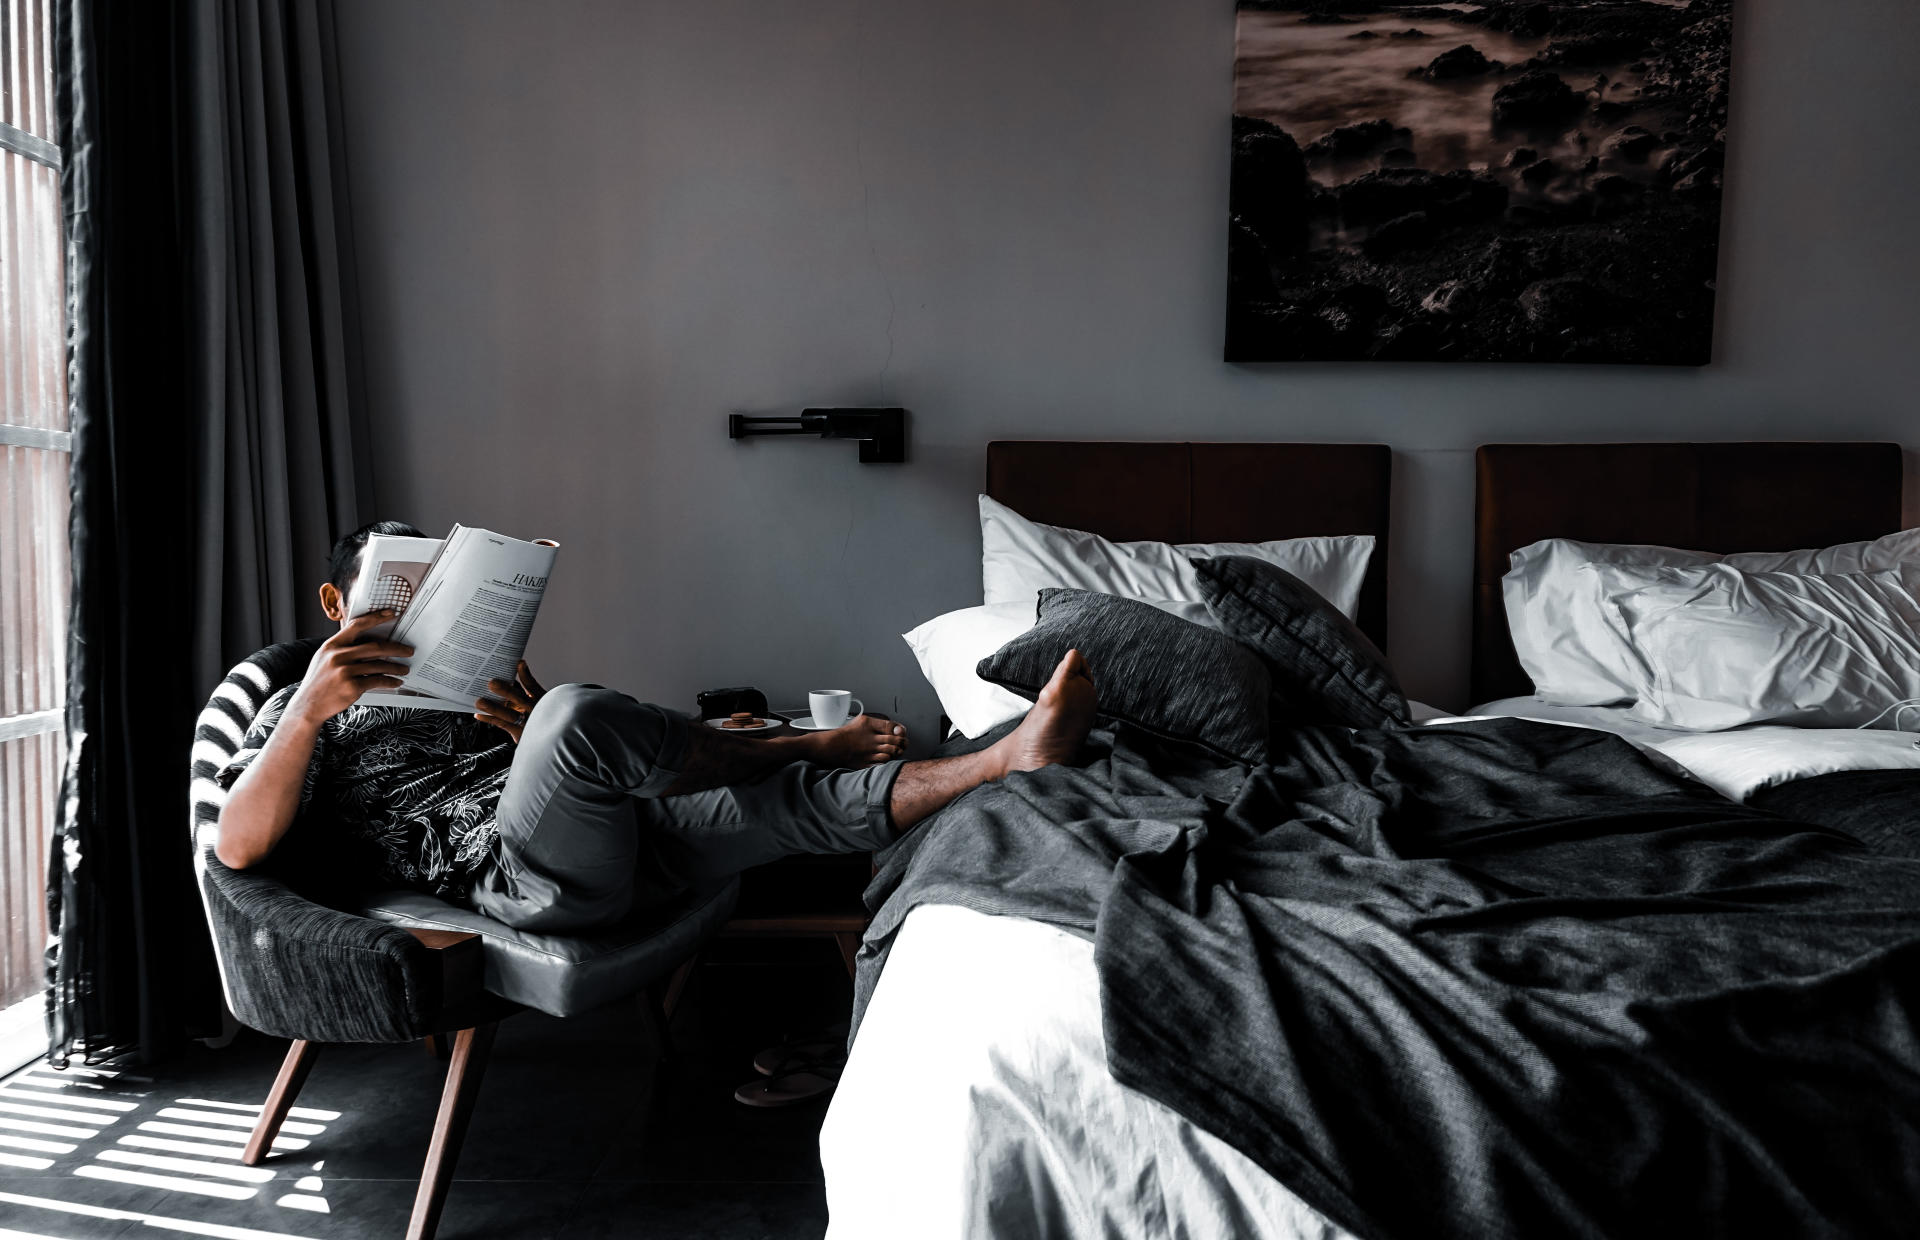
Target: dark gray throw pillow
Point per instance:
(1324, 670)
(1170, 676)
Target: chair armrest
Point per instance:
(294, 968)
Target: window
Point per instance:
(35, 454)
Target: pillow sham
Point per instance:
(1154, 670)
(1322, 668)
(949, 649)
(1569, 642)
(1718, 648)
(1019, 558)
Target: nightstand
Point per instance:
(805, 898)
(802, 897)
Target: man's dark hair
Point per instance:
(346, 552)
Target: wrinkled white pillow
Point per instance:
(949, 647)
(1019, 558)
(1878, 555)
(1566, 640)
(1718, 648)
(1569, 642)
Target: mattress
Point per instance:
(977, 1102)
(1736, 763)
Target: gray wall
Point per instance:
(586, 231)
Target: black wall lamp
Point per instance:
(882, 433)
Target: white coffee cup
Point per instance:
(832, 707)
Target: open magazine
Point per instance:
(466, 605)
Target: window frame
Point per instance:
(33, 383)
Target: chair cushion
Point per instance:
(562, 974)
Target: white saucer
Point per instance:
(806, 724)
(768, 724)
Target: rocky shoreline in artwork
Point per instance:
(1588, 234)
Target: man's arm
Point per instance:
(264, 800)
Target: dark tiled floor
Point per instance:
(581, 1130)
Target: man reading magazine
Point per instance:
(562, 810)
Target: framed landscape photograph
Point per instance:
(1484, 181)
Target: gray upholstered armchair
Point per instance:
(315, 959)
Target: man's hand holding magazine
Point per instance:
(511, 703)
(466, 604)
(348, 664)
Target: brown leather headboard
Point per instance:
(1207, 492)
(1720, 497)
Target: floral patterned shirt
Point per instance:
(419, 786)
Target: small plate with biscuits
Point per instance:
(747, 721)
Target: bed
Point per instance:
(1718, 497)
(1488, 976)
(980, 1055)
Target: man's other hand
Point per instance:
(511, 703)
(347, 665)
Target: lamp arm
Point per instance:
(881, 433)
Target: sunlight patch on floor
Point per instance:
(40, 1104)
(172, 1183)
(219, 1134)
(303, 1201)
(194, 1227)
(9, 1124)
(25, 1162)
(254, 1108)
(243, 1122)
(19, 1092)
(191, 1166)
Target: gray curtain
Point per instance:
(214, 410)
(278, 470)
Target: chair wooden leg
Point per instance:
(469, 1064)
(438, 1047)
(648, 1010)
(849, 948)
(677, 986)
(286, 1087)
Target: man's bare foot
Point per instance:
(860, 741)
(1060, 719)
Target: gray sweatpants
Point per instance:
(586, 834)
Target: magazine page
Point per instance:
(393, 570)
(469, 621)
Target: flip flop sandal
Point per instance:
(802, 1084)
(788, 1056)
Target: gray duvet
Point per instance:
(1475, 980)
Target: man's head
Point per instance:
(346, 564)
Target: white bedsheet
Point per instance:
(977, 1103)
(1736, 763)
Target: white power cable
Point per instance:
(1894, 710)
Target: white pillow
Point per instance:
(1568, 641)
(949, 647)
(1719, 648)
(1565, 639)
(1019, 558)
